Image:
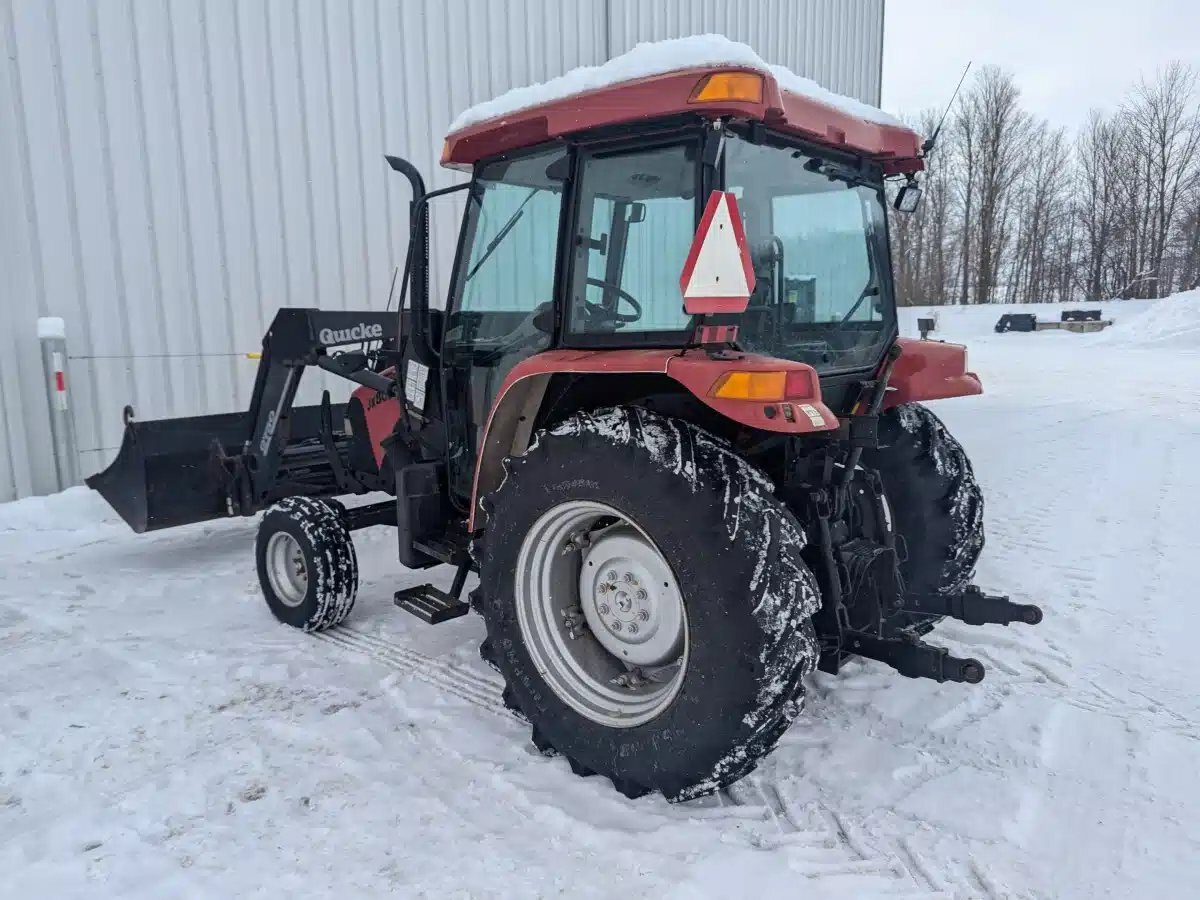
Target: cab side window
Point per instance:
(637, 218)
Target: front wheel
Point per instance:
(307, 567)
(646, 602)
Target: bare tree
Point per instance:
(1041, 212)
(1014, 211)
(919, 240)
(1097, 175)
(991, 137)
(1164, 143)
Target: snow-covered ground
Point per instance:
(162, 736)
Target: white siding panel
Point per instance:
(173, 171)
(835, 42)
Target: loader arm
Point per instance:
(172, 472)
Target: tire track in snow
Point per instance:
(816, 834)
(454, 678)
(833, 846)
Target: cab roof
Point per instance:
(706, 75)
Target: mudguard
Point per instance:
(510, 422)
(930, 370)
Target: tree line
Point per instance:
(1016, 211)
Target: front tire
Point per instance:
(307, 567)
(666, 511)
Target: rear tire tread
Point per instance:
(785, 591)
(936, 502)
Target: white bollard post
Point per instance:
(52, 332)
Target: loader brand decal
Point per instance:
(377, 398)
(272, 421)
(360, 332)
(268, 432)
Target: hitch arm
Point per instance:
(913, 658)
(974, 607)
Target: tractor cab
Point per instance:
(581, 213)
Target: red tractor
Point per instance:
(677, 506)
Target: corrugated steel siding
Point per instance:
(172, 172)
(835, 42)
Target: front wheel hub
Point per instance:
(630, 599)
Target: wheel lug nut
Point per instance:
(611, 575)
(603, 589)
(641, 595)
(629, 578)
(643, 615)
(633, 629)
(603, 608)
(616, 626)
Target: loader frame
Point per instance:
(241, 463)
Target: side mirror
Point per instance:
(637, 212)
(909, 198)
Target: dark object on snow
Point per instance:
(925, 326)
(1080, 315)
(1016, 322)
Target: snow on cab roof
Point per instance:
(657, 58)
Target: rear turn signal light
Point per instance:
(750, 386)
(745, 86)
(766, 387)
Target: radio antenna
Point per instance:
(931, 141)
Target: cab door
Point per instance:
(501, 304)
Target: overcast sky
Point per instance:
(1067, 55)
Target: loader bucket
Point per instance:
(164, 474)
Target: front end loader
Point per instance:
(665, 417)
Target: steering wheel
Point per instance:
(600, 311)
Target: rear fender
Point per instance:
(514, 413)
(930, 370)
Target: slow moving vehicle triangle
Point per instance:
(718, 276)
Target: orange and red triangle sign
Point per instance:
(718, 276)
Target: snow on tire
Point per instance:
(306, 563)
(934, 499)
(731, 553)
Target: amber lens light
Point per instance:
(745, 86)
(763, 386)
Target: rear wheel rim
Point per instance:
(588, 570)
(286, 569)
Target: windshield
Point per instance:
(819, 248)
(510, 241)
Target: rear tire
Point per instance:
(307, 567)
(934, 500)
(732, 557)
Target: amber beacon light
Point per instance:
(744, 86)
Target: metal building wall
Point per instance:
(838, 43)
(172, 171)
